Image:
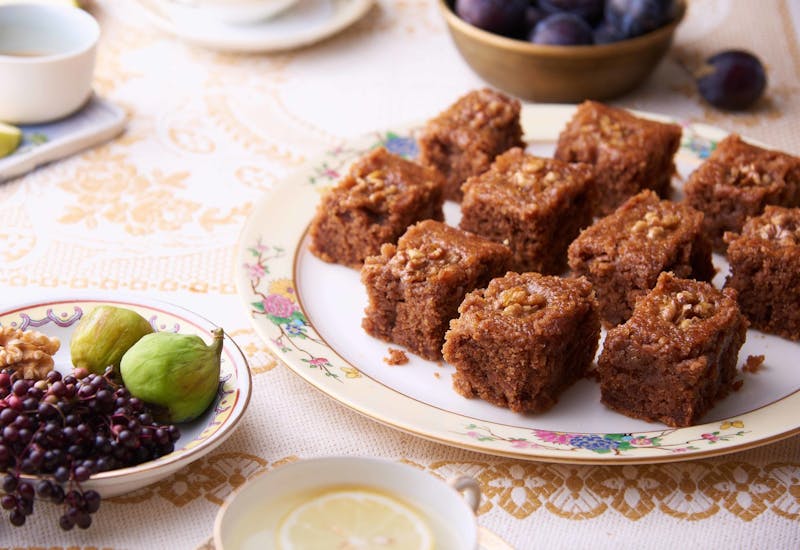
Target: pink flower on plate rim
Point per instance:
(318, 361)
(256, 271)
(279, 306)
(561, 438)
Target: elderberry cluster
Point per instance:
(57, 432)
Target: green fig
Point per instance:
(177, 373)
(103, 336)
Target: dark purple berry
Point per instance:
(66, 522)
(44, 488)
(20, 388)
(562, 29)
(83, 520)
(81, 474)
(59, 389)
(25, 491)
(7, 416)
(17, 517)
(61, 474)
(53, 376)
(8, 502)
(505, 17)
(92, 499)
(26, 507)
(10, 483)
(58, 494)
(732, 80)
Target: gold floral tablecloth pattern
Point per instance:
(158, 212)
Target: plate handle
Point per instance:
(469, 489)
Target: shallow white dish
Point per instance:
(58, 317)
(302, 24)
(310, 313)
(239, 11)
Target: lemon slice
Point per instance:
(10, 136)
(354, 519)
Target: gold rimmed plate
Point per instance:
(309, 312)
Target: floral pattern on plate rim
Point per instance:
(278, 303)
(616, 443)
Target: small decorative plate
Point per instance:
(302, 24)
(58, 317)
(309, 312)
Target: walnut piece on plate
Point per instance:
(27, 352)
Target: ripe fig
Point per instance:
(178, 374)
(103, 336)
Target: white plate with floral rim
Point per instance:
(309, 312)
(59, 316)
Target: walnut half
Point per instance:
(29, 352)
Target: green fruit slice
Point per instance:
(10, 138)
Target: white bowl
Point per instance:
(240, 11)
(250, 517)
(47, 55)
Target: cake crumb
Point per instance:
(737, 384)
(753, 363)
(396, 357)
(437, 375)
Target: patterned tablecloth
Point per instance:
(158, 211)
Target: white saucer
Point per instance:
(306, 22)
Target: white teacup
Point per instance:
(240, 11)
(251, 516)
(47, 55)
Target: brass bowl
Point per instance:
(560, 73)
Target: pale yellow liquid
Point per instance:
(257, 529)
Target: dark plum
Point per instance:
(533, 15)
(636, 17)
(562, 29)
(604, 33)
(590, 10)
(732, 80)
(506, 17)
